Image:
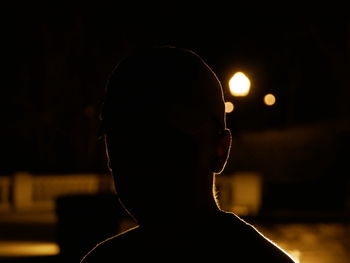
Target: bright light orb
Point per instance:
(229, 107)
(269, 99)
(239, 85)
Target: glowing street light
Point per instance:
(239, 85)
(229, 107)
(269, 99)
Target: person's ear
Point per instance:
(222, 151)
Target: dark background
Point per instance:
(56, 61)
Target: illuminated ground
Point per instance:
(313, 243)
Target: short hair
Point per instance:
(163, 83)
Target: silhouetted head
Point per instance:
(164, 121)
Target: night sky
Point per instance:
(57, 61)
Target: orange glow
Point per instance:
(229, 107)
(29, 248)
(295, 254)
(269, 99)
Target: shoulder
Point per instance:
(229, 238)
(249, 243)
(111, 249)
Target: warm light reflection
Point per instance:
(29, 248)
(269, 99)
(239, 85)
(295, 254)
(229, 107)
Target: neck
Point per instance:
(179, 216)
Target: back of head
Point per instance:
(164, 84)
(162, 107)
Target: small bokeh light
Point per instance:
(269, 99)
(229, 107)
(239, 85)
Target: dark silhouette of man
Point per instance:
(165, 131)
